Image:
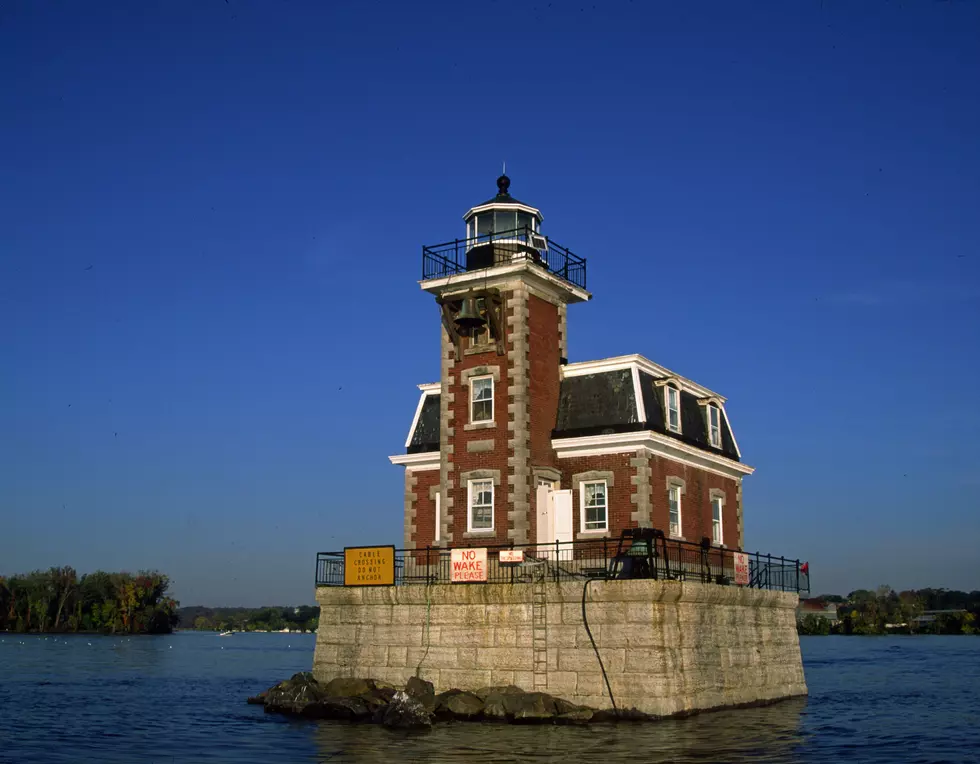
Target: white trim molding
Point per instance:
(500, 275)
(655, 443)
(641, 409)
(582, 507)
(427, 460)
(473, 401)
(716, 495)
(490, 206)
(642, 364)
(730, 431)
(469, 505)
(418, 411)
(676, 484)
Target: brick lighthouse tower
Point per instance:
(502, 294)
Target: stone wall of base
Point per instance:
(667, 647)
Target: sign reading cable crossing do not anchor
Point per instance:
(369, 566)
(468, 565)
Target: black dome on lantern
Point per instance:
(503, 194)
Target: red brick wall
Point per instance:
(543, 388)
(425, 507)
(464, 461)
(620, 506)
(695, 502)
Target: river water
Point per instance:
(181, 698)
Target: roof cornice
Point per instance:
(503, 206)
(655, 443)
(503, 274)
(426, 460)
(642, 364)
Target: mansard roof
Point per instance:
(613, 395)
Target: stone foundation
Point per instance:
(667, 647)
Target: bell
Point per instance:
(469, 317)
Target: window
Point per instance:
(716, 534)
(481, 399)
(481, 335)
(524, 223)
(594, 506)
(438, 519)
(481, 505)
(504, 220)
(673, 398)
(674, 500)
(714, 425)
(484, 222)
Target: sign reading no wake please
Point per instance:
(468, 565)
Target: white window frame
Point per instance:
(473, 380)
(680, 525)
(719, 538)
(469, 505)
(438, 518)
(714, 429)
(581, 504)
(668, 389)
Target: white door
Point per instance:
(546, 527)
(562, 515)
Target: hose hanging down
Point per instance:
(585, 620)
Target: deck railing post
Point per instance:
(797, 576)
(557, 560)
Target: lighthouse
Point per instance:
(515, 445)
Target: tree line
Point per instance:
(198, 618)
(885, 611)
(58, 600)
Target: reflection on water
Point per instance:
(766, 734)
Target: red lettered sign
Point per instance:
(741, 568)
(468, 565)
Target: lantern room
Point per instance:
(502, 228)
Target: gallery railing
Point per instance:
(502, 248)
(640, 553)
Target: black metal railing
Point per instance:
(639, 553)
(502, 248)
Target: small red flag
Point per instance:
(805, 568)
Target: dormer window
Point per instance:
(714, 425)
(672, 399)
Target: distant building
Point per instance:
(818, 607)
(514, 444)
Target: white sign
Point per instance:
(468, 565)
(741, 568)
(512, 555)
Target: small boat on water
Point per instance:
(226, 634)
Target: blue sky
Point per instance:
(210, 225)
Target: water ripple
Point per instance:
(180, 699)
